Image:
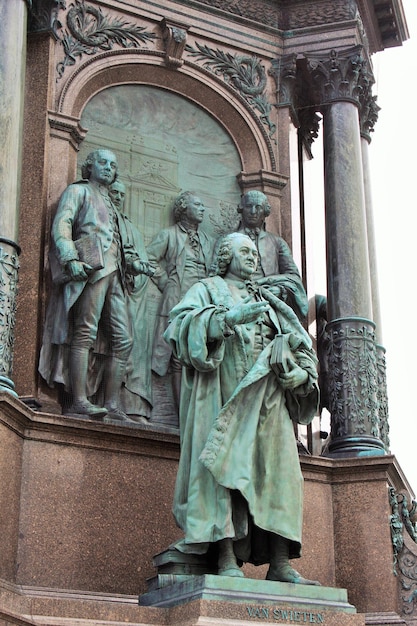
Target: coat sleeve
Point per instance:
(62, 228)
(194, 331)
(288, 276)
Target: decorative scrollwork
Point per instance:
(89, 31)
(244, 73)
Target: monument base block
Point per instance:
(254, 600)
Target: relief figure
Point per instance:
(91, 270)
(180, 255)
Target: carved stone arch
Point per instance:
(192, 82)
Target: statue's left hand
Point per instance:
(294, 378)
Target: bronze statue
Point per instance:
(181, 255)
(90, 271)
(249, 372)
(276, 267)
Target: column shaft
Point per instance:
(348, 282)
(376, 312)
(352, 357)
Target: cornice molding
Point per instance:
(384, 22)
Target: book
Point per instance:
(281, 355)
(90, 251)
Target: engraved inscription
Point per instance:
(284, 615)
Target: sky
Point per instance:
(393, 171)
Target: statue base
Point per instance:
(250, 599)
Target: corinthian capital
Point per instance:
(338, 75)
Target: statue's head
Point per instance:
(236, 254)
(100, 166)
(117, 192)
(254, 208)
(188, 207)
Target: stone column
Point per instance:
(13, 19)
(352, 357)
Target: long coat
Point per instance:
(83, 210)
(239, 466)
(167, 254)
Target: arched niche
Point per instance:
(192, 82)
(164, 144)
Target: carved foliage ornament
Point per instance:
(226, 221)
(352, 379)
(335, 76)
(245, 74)
(338, 76)
(308, 14)
(89, 31)
(382, 398)
(404, 528)
(9, 266)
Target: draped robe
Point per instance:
(239, 474)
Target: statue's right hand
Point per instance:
(77, 270)
(245, 312)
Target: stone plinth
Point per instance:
(262, 598)
(30, 605)
(358, 539)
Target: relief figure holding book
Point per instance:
(88, 299)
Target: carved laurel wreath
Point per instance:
(244, 73)
(89, 31)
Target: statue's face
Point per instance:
(253, 209)
(194, 212)
(117, 193)
(245, 257)
(104, 167)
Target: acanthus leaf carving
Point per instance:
(337, 75)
